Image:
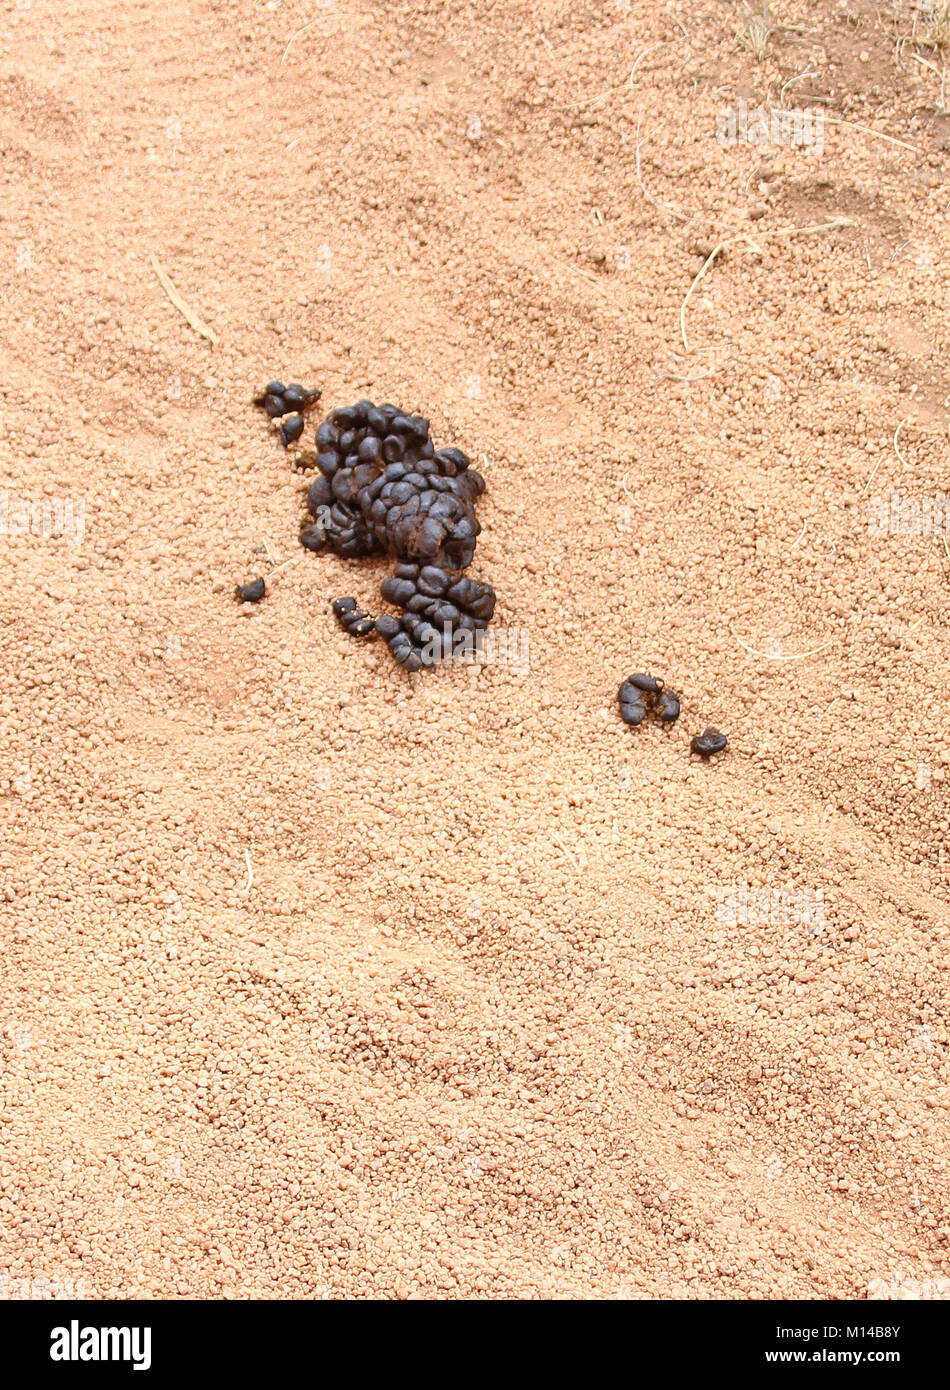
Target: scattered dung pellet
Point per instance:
(709, 742)
(252, 592)
(343, 605)
(291, 429)
(387, 626)
(667, 706)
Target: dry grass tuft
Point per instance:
(759, 28)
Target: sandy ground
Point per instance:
(482, 1020)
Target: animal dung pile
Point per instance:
(384, 489)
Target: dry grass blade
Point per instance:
(869, 130)
(757, 32)
(186, 311)
(752, 241)
(935, 28)
(793, 656)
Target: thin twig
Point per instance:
(869, 130)
(250, 874)
(560, 843)
(671, 212)
(744, 236)
(285, 564)
(675, 376)
(184, 309)
(873, 473)
(797, 656)
(296, 36)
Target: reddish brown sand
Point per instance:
(476, 1023)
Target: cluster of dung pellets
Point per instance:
(444, 612)
(352, 618)
(287, 404)
(384, 488)
(641, 695)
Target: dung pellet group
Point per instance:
(382, 488)
(642, 695)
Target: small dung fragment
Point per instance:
(252, 592)
(640, 695)
(351, 617)
(667, 707)
(708, 742)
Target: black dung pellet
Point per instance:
(387, 626)
(632, 709)
(313, 537)
(709, 742)
(650, 685)
(344, 605)
(295, 396)
(252, 592)
(398, 591)
(274, 405)
(667, 706)
(291, 429)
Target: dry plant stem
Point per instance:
(184, 309)
(873, 473)
(869, 130)
(753, 241)
(796, 656)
